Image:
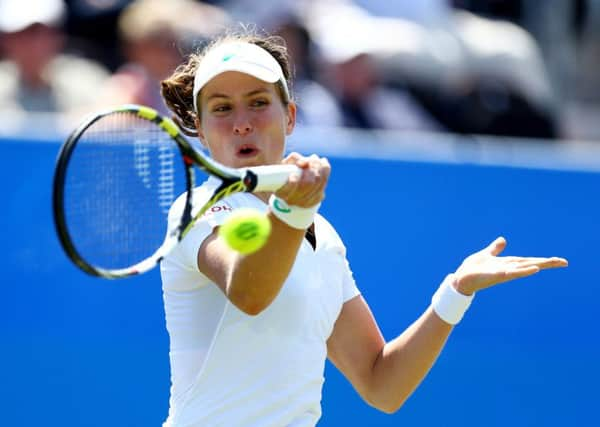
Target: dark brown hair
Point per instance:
(177, 89)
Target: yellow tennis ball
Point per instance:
(246, 230)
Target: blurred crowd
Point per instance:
(519, 68)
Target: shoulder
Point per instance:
(182, 261)
(327, 236)
(215, 214)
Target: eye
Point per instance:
(220, 108)
(259, 102)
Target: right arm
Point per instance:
(251, 282)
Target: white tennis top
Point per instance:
(231, 369)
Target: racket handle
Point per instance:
(273, 177)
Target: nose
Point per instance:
(242, 125)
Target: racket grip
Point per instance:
(273, 177)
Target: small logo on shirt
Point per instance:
(216, 209)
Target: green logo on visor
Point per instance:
(228, 57)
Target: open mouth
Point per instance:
(247, 150)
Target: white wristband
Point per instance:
(294, 216)
(450, 304)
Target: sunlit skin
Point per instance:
(243, 120)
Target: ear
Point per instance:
(291, 118)
(200, 131)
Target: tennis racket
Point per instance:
(117, 176)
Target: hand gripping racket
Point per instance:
(116, 177)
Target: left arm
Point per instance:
(385, 374)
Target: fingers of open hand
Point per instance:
(496, 247)
(486, 271)
(515, 272)
(308, 188)
(518, 267)
(541, 263)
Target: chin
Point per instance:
(243, 163)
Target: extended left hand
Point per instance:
(485, 268)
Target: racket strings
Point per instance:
(122, 178)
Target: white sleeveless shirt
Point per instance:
(232, 369)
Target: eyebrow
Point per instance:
(247, 95)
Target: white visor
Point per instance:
(242, 57)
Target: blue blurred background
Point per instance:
(81, 351)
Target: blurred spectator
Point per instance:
(557, 27)
(424, 65)
(351, 41)
(155, 34)
(368, 104)
(316, 104)
(503, 88)
(36, 75)
(467, 73)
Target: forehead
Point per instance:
(233, 83)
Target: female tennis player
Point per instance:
(250, 334)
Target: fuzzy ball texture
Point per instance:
(246, 230)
